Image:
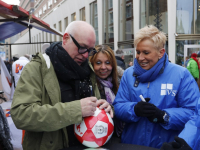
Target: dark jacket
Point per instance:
(120, 62)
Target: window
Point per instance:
(184, 17)
(44, 8)
(73, 17)
(39, 45)
(157, 17)
(36, 15)
(66, 22)
(108, 24)
(50, 37)
(111, 17)
(55, 1)
(34, 45)
(110, 4)
(126, 23)
(46, 36)
(60, 29)
(40, 12)
(82, 14)
(55, 34)
(188, 16)
(197, 17)
(129, 10)
(49, 3)
(94, 19)
(42, 36)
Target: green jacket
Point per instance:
(192, 66)
(37, 107)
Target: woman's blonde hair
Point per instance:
(152, 33)
(105, 49)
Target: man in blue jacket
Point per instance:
(169, 90)
(189, 138)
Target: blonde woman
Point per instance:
(169, 90)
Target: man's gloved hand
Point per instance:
(179, 144)
(144, 109)
(158, 116)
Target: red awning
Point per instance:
(16, 19)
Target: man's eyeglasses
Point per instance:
(82, 50)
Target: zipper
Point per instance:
(148, 85)
(148, 89)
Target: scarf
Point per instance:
(194, 56)
(107, 84)
(68, 71)
(149, 75)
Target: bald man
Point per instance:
(56, 90)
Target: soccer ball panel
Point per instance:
(90, 121)
(110, 119)
(108, 138)
(80, 128)
(97, 111)
(100, 129)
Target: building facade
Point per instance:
(116, 22)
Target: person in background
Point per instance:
(53, 92)
(18, 66)
(130, 64)
(120, 72)
(186, 61)
(193, 66)
(15, 58)
(189, 138)
(8, 65)
(155, 98)
(105, 68)
(119, 55)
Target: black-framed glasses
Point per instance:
(82, 50)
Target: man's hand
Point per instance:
(103, 104)
(88, 106)
(179, 144)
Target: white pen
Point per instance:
(142, 98)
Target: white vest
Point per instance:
(17, 68)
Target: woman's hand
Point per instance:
(103, 104)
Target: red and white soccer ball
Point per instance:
(96, 130)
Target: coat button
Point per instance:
(51, 142)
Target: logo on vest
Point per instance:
(18, 68)
(167, 89)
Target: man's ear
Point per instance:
(66, 37)
(161, 53)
